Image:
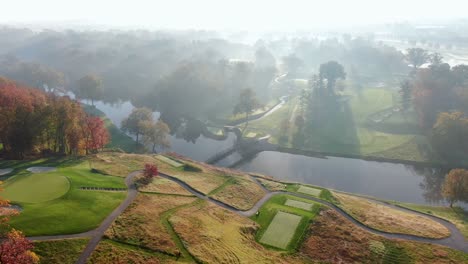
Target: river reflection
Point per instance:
(390, 181)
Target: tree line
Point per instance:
(36, 122)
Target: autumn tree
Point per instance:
(417, 57)
(32, 121)
(95, 133)
(455, 186)
(150, 171)
(246, 105)
(90, 87)
(16, 249)
(331, 71)
(136, 122)
(156, 134)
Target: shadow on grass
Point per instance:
(329, 127)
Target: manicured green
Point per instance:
(281, 230)
(298, 204)
(309, 190)
(60, 251)
(35, 188)
(76, 211)
(277, 203)
(346, 128)
(169, 161)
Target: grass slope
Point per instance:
(60, 251)
(76, 211)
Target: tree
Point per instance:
(293, 64)
(246, 105)
(156, 134)
(95, 133)
(455, 186)
(405, 92)
(448, 136)
(416, 57)
(16, 249)
(435, 58)
(149, 173)
(135, 123)
(331, 71)
(460, 73)
(264, 58)
(90, 87)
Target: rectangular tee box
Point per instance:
(281, 230)
(309, 190)
(298, 204)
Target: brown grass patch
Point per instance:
(334, 239)
(165, 186)
(141, 224)
(215, 235)
(107, 252)
(388, 219)
(272, 185)
(121, 164)
(241, 193)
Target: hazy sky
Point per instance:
(232, 14)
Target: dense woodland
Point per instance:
(36, 122)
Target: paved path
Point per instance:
(455, 240)
(97, 234)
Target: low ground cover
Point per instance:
(239, 192)
(74, 212)
(388, 219)
(332, 239)
(143, 225)
(456, 215)
(164, 186)
(64, 251)
(221, 236)
(113, 252)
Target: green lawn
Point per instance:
(35, 188)
(345, 128)
(298, 204)
(60, 251)
(281, 230)
(268, 212)
(74, 212)
(309, 191)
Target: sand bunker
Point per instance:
(41, 169)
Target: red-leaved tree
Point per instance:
(16, 249)
(96, 134)
(149, 173)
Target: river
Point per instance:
(392, 181)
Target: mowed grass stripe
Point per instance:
(281, 230)
(169, 161)
(309, 191)
(298, 204)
